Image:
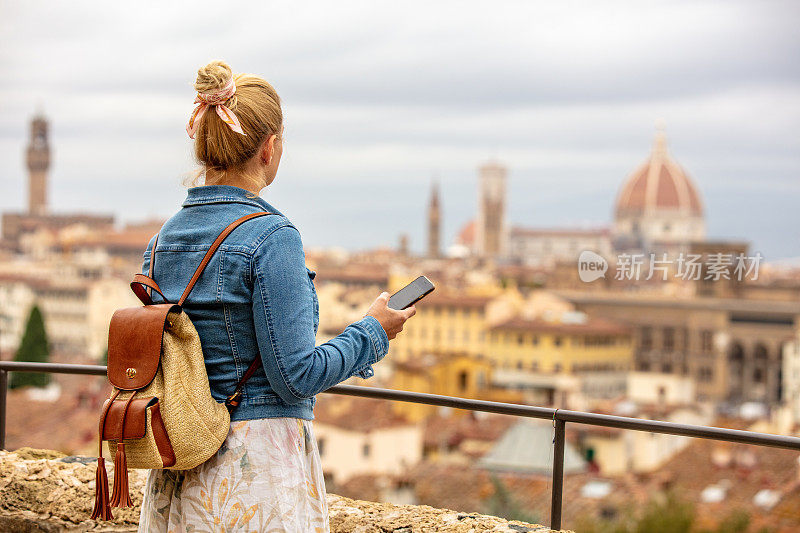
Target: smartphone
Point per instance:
(411, 293)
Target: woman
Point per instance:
(255, 298)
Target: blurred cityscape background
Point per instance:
(611, 226)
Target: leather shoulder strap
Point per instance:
(150, 272)
(232, 226)
(232, 401)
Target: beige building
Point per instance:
(617, 452)
(732, 347)
(791, 379)
(538, 247)
(76, 312)
(658, 388)
(362, 436)
(651, 395)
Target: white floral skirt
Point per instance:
(266, 477)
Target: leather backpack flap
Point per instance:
(135, 336)
(135, 419)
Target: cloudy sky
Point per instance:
(382, 97)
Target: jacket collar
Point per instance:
(216, 194)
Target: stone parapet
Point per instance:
(47, 491)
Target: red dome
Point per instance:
(660, 184)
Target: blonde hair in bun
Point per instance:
(221, 151)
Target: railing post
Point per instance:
(3, 391)
(558, 473)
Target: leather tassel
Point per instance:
(101, 508)
(121, 479)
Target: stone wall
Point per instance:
(46, 491)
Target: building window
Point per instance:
(535, 340)
(705, 373)
(534, 364)
(669, 339)
(462, 379)
(519, 363)
(758, 375)
(666, 368)
(556, 341)
(646, 341)
(365, 450)
(556, 367)
(320, 443)
(520, 337)
(706, 341)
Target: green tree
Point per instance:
(32, 348)
(738, 521)
(502, 503)
(666, 515)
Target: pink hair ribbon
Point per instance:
(217, 99)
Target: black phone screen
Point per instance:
(411, 293)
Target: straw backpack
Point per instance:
(161, 413)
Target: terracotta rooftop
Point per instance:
(593, 325)
(453, 430)
(68, 424)
(423, 363)
(371, 274)
(438, 299)
(747, 469)
(356, 414)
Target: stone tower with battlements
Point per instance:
(37, 158)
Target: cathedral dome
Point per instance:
(659, 185)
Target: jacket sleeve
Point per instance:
(283, 313)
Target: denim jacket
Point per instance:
(256, 298)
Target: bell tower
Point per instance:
(38, 161)
(491, 229)
(434, 222)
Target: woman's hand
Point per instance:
(391, 319)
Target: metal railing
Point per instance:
(560, 417)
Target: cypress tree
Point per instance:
(32, 348)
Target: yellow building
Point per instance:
(553, 346)
(453, 322)
(448, 374)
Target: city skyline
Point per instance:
(371, 116)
